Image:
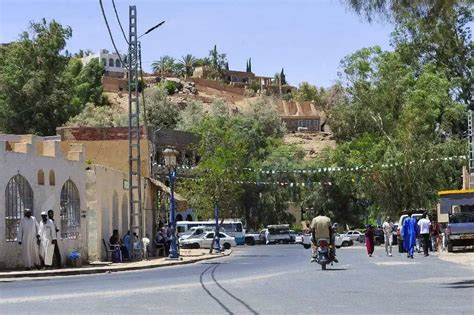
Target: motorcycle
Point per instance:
(323, 255)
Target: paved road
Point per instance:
(274, 279)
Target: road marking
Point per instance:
(396, 263)
(125, 292)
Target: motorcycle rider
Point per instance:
(321, 228)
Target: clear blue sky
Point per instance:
(307, 38)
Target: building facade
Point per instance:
(111, 62)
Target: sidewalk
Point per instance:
(188, 256)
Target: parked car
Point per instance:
(194, 231)
(342, 240)
(303, 239)
(339, 240)
(293, 235)
(204, 240)
(354, 235)
(460, 230)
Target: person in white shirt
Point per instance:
(424, 228)
(387, 228)
(29, 240)
(47, 234)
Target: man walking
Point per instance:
(57, 255)
(47, 234)
(29, 240)
(387, 228)
(424, 228)
(409, 235)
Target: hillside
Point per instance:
(209, 91)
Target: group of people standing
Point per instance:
(39, 241)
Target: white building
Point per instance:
(111, 62)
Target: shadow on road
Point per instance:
(465, 284)
(214, 266)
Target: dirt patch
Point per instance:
(312, 143)
(460, 257)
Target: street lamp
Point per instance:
(170, 162)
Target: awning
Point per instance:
(166, 189)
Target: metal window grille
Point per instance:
(18, 197)
(70, 211)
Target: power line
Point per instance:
(118, 20)
(110, 34)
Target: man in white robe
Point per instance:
(47, 233)
(29, 240)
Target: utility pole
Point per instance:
(134, 169)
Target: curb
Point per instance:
(12, 276)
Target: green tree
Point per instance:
(430, 32)
(188, 62)
(166, 65)
(34, 95)
(160, 112)
(87, 82)
(191, 116)
(218, 62)
(99, 116)
(282, 77)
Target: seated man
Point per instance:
(160, 238)
(321, 228)
(116, 241)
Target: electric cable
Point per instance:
(110, 34)
(119, 23)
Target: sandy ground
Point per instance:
(460, 257)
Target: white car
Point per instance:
(354, 235)
(339, 240)
(194, 231)
(303, 239)
(204, 240)
(343, 241)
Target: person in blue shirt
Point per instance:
(409, 235)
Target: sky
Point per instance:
(308, 38)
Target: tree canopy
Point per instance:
(40, 86)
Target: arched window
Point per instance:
(18, 197)
(104, 62)
(179, 217)
(70, 211)
(40, 177)
(111, 62)
(117, 63)
(189, 217)
(52, 178)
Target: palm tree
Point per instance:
(188, 62)
(166, 65)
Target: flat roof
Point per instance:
(455, 192)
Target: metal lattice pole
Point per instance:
(134, 174)
(471, 142)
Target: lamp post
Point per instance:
(170, 162)
(217, 240)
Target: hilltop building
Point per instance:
(111, 62)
